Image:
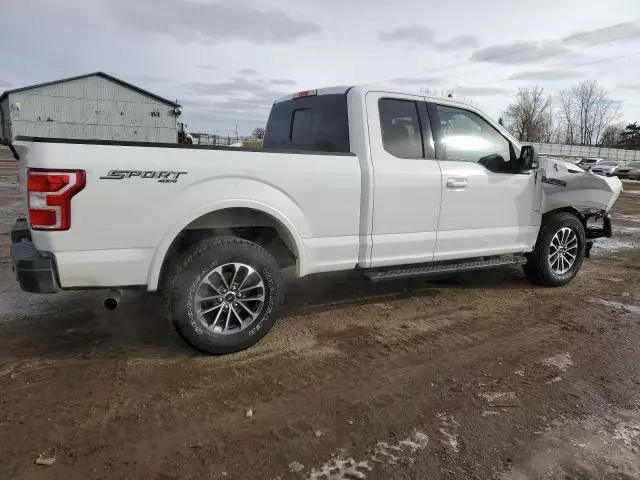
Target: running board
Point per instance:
(440, 268)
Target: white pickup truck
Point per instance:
(392, 184)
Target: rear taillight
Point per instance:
(49, 194)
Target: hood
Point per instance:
(567, 185)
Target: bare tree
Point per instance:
(432, 92)
(530, 118)
(586, 110)
(567, 116)
(444, 93)
(612, 135)
(548, 127)
(258, 133)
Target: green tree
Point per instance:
(630, 137)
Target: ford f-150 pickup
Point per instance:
(389, 183)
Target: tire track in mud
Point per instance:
(286, 414)
(361, 350)
(369, 369)
(369, 373)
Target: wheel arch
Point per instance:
(228, 214)
(571, 210)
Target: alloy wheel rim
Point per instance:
(563, 251)
(229, 298)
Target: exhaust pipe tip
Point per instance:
(110, 303)
(112, 300)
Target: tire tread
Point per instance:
(193, 254)
(536, 268)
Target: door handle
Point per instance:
(457, 183)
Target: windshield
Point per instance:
(611, 164)
(633, 165)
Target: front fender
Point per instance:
(565, 185)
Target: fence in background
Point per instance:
(217, 140)
(580, 151)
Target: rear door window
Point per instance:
(316, 123)
(401, 128)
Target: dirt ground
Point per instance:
(481, 376)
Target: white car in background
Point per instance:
(607, 167)
(630, 170)
(587, 163)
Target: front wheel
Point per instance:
(559, 250)
(225, 295)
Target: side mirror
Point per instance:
(528, 158)
(494, 162)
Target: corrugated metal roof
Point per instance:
(99, 74)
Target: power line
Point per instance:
(538, 58)
(568, 66)
(523, 50)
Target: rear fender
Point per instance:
(266, 199)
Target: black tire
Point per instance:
(538, 267)
(195, 265)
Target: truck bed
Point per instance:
(139, 196)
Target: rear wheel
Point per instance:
(225, 295)
(559, 250)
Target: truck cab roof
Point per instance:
(327, 111)
(364, 89)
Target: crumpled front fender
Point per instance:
(566, 185)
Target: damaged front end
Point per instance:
(597, 225)
(567, 186)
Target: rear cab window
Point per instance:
(317, 123)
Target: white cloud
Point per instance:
(480, 91)
(418, 81)
(282, 81)
(426, 36)
(208, 22)
(228, 60)
(620, 32)
(549, 75)
(518, 52)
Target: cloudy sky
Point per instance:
(227, 60)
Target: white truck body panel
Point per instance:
(337, 211)
(493, 213)
(582, 191)
(406, 194)
(122, 229)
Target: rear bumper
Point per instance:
(34, 271)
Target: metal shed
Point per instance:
(95, 106)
